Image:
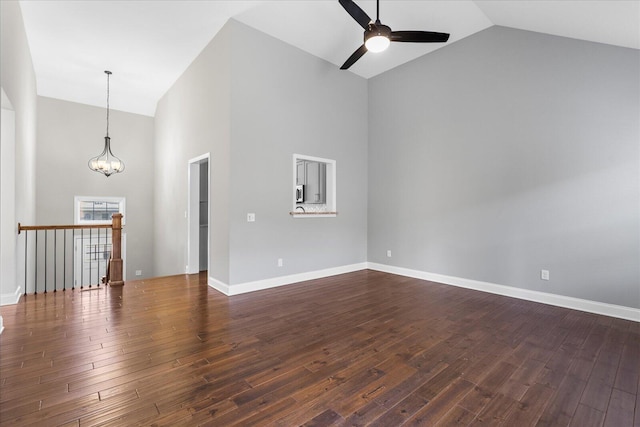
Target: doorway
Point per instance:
(198, 215)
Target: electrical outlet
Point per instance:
(251, 217)
(389, 253)
(280, 263)
(544, 274)
(138, 272)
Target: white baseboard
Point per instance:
(612, 310)
(218, 285)
(9, 299)
(595, 307)
(274, 282)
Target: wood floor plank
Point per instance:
(586, 416)
(410, 385)
(636, 419)
(627, 380)
(441, 404)
(563, 403)
(63, 414)
(522, 378)
(360, 349)
(481, 395)
(327, 418)
(620, 410)
(401, 412)
(395, 373)
(598, 390)
(125, 414)
(529, 408)
(496, 412)
(300, 376)
(458, 416)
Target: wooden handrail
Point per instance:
(60, 227)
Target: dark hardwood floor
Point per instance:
(365, 348)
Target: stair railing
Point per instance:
(52, 254)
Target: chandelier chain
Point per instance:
(108, 73)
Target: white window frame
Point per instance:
(76, 208)
(331, 197)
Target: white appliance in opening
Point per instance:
(299, 193)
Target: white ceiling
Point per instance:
(148, 44)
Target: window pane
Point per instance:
(95, 210)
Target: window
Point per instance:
(93, 247)
(314, 187)
(97, 210)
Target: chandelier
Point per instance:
(106, 162)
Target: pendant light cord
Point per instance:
(108, 73)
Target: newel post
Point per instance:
(115, 268)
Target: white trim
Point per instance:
(218, 285)
(1, 325)
(274, 282)
(612, 310)
(10, 299)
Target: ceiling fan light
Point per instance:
(377, 37)
(377, 43)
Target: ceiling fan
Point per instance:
(378, 36)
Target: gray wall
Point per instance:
(69, 134)
(285, 101)
(252, 102)
(17, 79)
(507, 153)
(193, 118)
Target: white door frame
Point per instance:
(193, 213)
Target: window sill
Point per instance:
(299, 214)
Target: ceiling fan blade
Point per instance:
(419, 37)
(356, 13)
(354, 57)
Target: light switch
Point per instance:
(251, 217)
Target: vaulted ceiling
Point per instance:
(148, 44)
